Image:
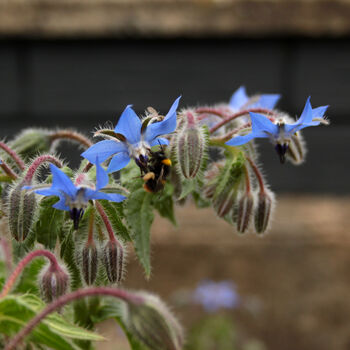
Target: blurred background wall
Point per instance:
(78, 63)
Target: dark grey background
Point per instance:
(84, 83)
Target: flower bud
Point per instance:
(31, 142)
(22, 205)
(113, 260)
(53, 282)
(191, 150)
(89, 262)
(263, 210)
(296, 149)
(224, 202)
(243, 212)
(153, 324)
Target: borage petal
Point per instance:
(129, 125)
(61, 204)
(101, 176)
(262, 123)
(166, 126)
(268, 101)
(103, 150)
(62, 182)
(241, 140)
(113, 197)
(119, 161)
(159, 141)
(239, 98)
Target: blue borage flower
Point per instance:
(75, 198)
(279, 131)
(240, 100)
(132, 138)
(216, 295)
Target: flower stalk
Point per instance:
(71, 135)
(13, 155)
(65, 299)
(23, 263)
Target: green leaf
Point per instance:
(139, 215)
(187, 187)
(54, 331)
(49, 223)
(164, 203)
(29, 277)
(114, 213)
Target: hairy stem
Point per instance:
(13, 155)
(257, 174)
(106, 221)
(268, 112)
(22, 264)
(46, 158)
(71, 135)
(65, 299)
(8, 171)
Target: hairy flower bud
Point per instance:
(31, 142)
(153, 324)
(53, 282)
(296, 149)
(224, 202)
(243, 212)
(263, 210)
(191, 149)
(89, 262)
(113, 260)
(22, 205)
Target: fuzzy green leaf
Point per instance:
(49, 223)
(139, 215)
(54, 331)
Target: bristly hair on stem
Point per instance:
(65, 299)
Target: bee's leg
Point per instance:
(149, 176)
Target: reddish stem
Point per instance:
(22, 264)
(106, 221)
(71, 135)
(208, 110)
(239, 114)
(247, 180)
(13, 155)
(257, 174)
(65, 299)
(36, 164)
(9, 172)
(7, 252)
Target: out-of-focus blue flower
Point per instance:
(75, 198)
(240, 100)
(216, 295)
(137, 138)
(280, 132)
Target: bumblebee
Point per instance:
(158, 169)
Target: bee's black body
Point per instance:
(158, 169)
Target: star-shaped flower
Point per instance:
(75, 197)
(279, 131)
(132, 138)
(240, 100)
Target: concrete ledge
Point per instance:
(173, 18)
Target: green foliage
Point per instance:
(54, 331)
(139, 215)
(49, 223)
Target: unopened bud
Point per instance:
(22, 205)
(228, 182)
(53, 282)
(89, 262)
(191, 150)
(153, 324)
(113, 260)
(263, 210)
(243, 212)
(31, 142)
(296, 149)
